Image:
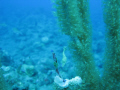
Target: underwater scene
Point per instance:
(59, 45)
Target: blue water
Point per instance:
(28, 33)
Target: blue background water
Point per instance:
(28, 33)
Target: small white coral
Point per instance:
(6, 68)
(76, 80)
(59, 81)
(64, 84)
(45, 39)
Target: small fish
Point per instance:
(55, 63)
(64, 59)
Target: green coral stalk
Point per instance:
(111, 76)
(73, 17)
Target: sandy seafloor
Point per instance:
(27, 37)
